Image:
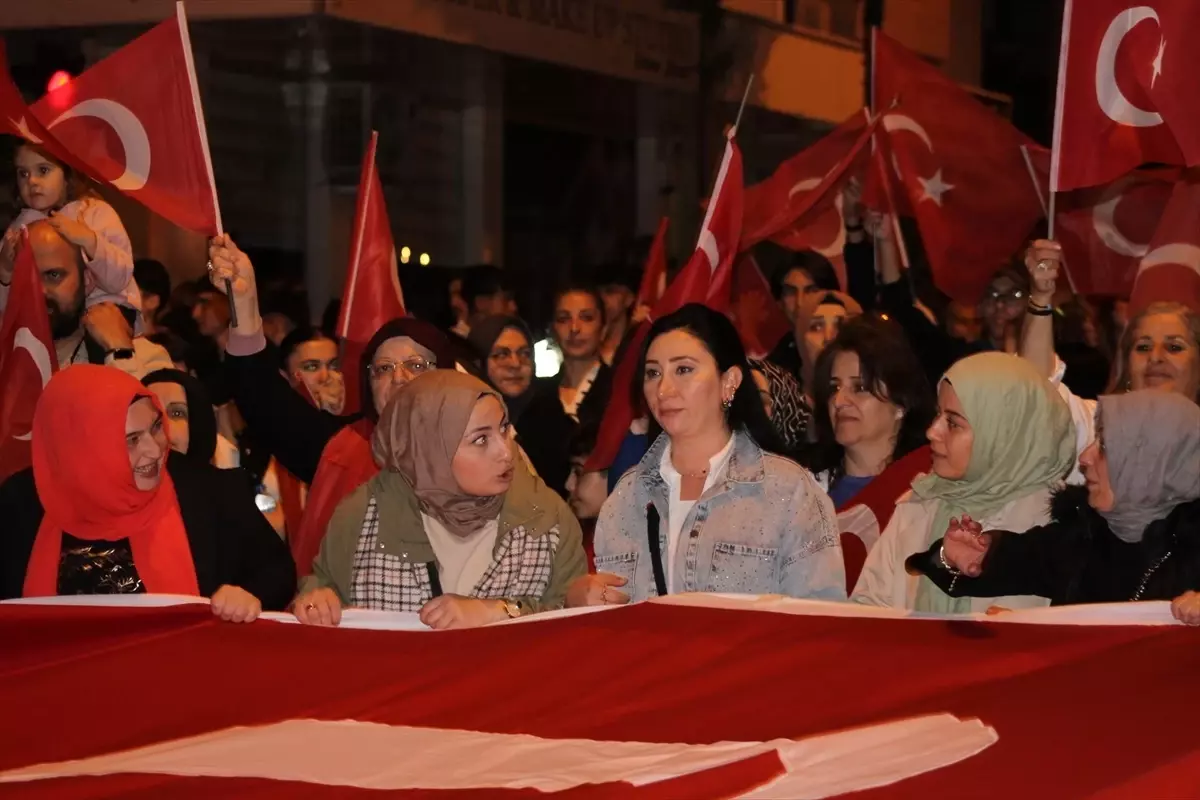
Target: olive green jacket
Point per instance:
(530, 509)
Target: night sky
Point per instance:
(1021, 40)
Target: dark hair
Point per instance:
(583, 440)
(720, 338)
(78, 185)
(176, 346)
(581, 288)
(819, 269)
(305, 333)
(481, 281)
(151, 278)
(890, 370)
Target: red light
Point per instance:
(58, 80)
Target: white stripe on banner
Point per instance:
(390, 757)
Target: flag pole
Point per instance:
(185, 37)
(745, 96)
(1059, 95)
(1047, 208)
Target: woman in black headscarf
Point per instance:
(504, 346)
(191, 422)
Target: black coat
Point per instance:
(231, 542)
(1077, 559)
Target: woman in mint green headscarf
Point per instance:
(1003, 440)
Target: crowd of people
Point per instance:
(972, 460)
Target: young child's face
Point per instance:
(40, 181)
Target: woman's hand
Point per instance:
(235, 604)
(230, 263)
(1042, 259)
(1186, 608)
(318, 607)
(451, 611)
(596, 590)
(332, 396)
(965, 546)
(74, 232)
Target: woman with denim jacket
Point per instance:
(710, 508)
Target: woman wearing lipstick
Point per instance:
(710, 508)
(1159, 348)
(584, 382)
(109, 508)
(453, 527)
(1002, 442)
(1133, 533)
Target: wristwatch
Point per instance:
(512, 609)
(120, 353)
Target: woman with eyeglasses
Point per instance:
(505, 348)
(1133, 533)
(332, 454)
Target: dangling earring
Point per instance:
(725, 404)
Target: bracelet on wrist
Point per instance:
(1040, 310)
(944, 564)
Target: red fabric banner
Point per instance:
(1078, 710)
(1170, 270)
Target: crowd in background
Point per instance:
(1036, 448)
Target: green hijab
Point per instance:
(1024, 442)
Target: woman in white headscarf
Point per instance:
(1133, 533)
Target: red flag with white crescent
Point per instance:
(800, 206)
(1170, 271)
(372, 293)
(17, 120)
(135, 119)
(1127, 89)
(962, 167)
(27, 360)
(707, 278)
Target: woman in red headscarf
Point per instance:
(108, 508)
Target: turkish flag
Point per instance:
(27, 360)
(1127, 89)
(654, 274)
(17, 120)
(800, 206)
(372, 294)
(135, 120)
(760, 321)
(1170, 271)
(962, 169)
(706, 278)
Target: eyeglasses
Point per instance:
(413, 366)
(1011, 297)
(523, 355)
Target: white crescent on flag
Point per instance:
(129, 130)
(839, 242)
(1112, 100)
(1106, 227)
(1181, 253)
(25, 340)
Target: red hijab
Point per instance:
(85, 483)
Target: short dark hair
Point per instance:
(720, 338)
(818, 268)
(302, 334)
(583, 440)
(481, 281)
(890, 370)
(152, 278)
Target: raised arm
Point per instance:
(1042, 259)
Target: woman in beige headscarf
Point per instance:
(453, 526)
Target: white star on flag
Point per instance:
(23, 128)
(933, 188)
(1162, 48)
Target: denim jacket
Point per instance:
(764, 528)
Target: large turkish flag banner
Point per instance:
(135, 119)
(1127, 89)
(1170, 270)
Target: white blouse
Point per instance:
(679, 509)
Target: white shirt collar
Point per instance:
(716, 465)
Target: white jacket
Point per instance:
(884, 581)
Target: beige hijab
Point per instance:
(417, 437)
